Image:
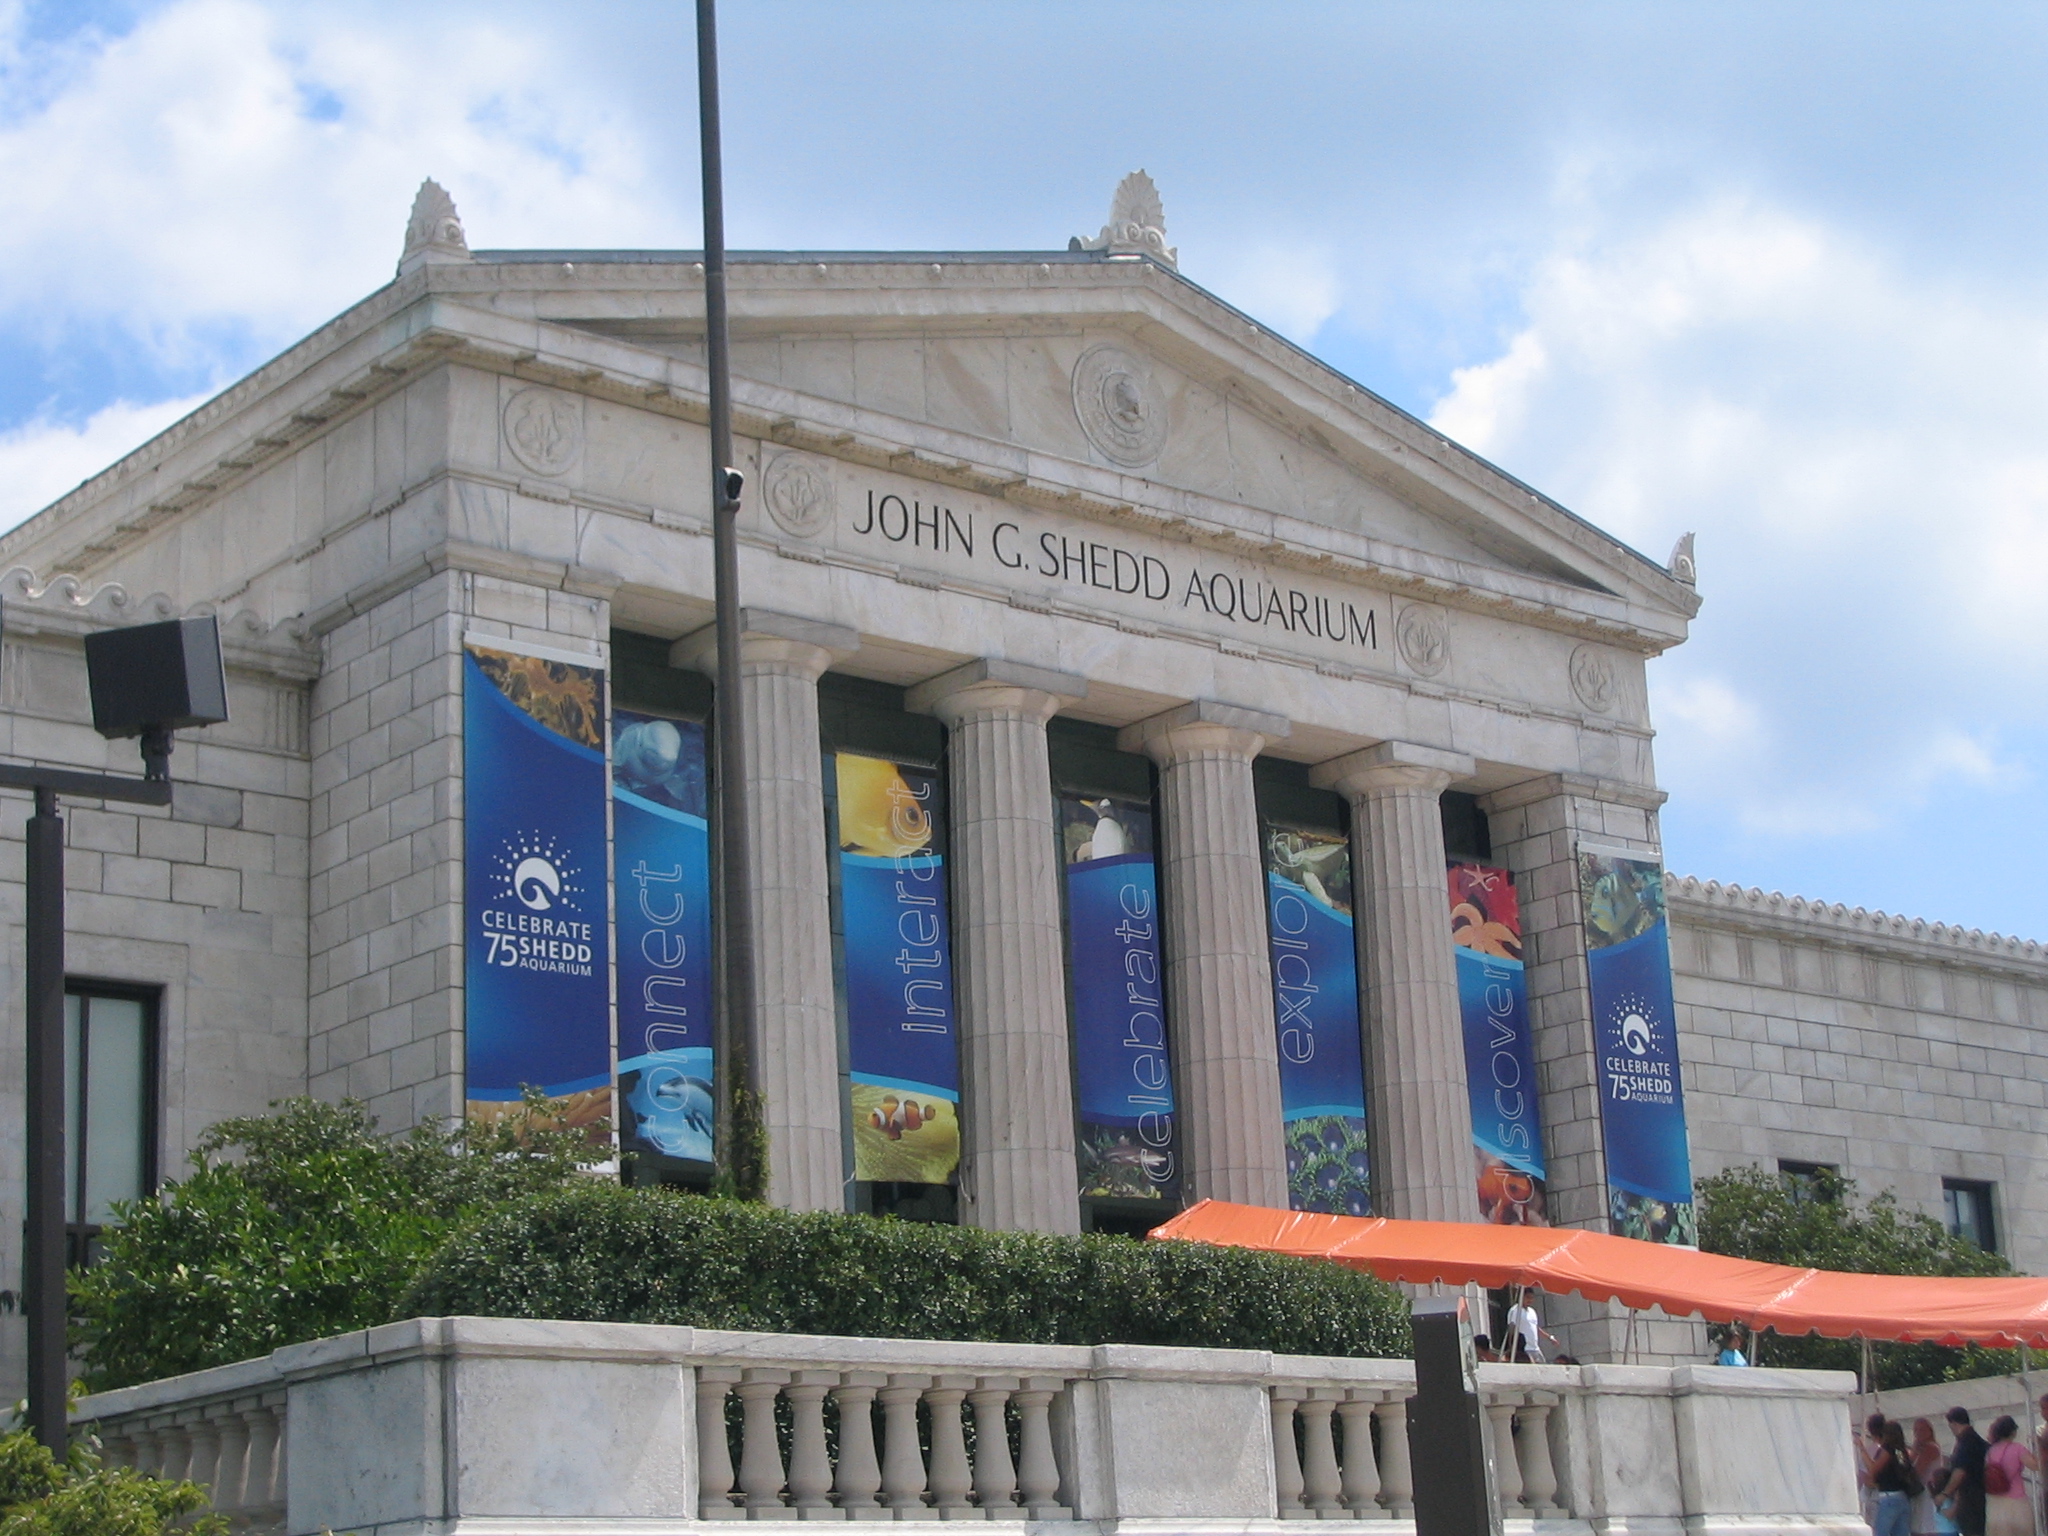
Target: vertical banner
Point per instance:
(661, 874)
(1315, 994)
(536, 960)
(903, 1046)
(1635, 1044)
(1123, 1074)
(1500, 1054)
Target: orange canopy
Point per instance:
(1910, 1309)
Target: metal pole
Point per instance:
(739, 1100)
(43, 1255)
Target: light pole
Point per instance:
(742, 1152)
(147, 680)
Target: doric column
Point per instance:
(1415, 1042)
(1017, 1104)
(781, 659)
(1219, 975)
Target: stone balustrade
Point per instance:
(527, 1427)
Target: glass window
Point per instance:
(109, 1103)
(1810, 1181)
(1966, 1209)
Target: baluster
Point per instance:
(902, 1460)
(810, 1466)
(1286, 1458)
(232, 1472)
(995, 1475)
(714, 1446)
(120, 1448)
(760, 1450)
(952, 1480)
(1320, 1480)
(859, 1475)
(1539, 1473)
(205, 1463)
(263, 1482)
(1507, 1468)
(1361, 1472)
(1038, 1473)
(1397, 1477)
(177, 1451)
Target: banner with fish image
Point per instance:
(536, 963)
(1500, 1055)
(1315, 993)
(1123, 1073)
(1635, 1043)
(661, 877)
(903, 1044)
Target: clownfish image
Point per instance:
(893, 1116)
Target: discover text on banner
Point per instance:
(1500, 1054)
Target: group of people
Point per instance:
(1977, 1488)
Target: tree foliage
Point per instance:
(1819, 1222)
(292, 1226)
(41, 1496)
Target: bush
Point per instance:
(41, 1496)
(313, 1226)
(1752, 1213)
(599, 1252)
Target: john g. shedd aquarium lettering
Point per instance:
(1091, 563)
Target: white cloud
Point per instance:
(42, 459)
(1292, 287)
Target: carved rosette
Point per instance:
(1424, 637)
(1118, 406)
(797, 490)
(544, 430)
(1593, 678)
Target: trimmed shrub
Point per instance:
(597, 1252)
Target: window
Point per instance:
(109, 1105)
(1810, 1181)
(1966, 1209)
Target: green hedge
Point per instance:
(599, 1252)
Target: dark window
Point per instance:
(1810, 1181)
(1966, 1210)
(1466, 834)
(110, 1105)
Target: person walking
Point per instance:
(1928, 1465)
(1526, 1331)
(2007, 1509)
(1964, 1484)
(1889, 1466)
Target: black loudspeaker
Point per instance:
(149, 678)
(1448, 1441)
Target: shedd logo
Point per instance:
(1634, 1064)
(534, 874)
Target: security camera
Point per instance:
(732, 484)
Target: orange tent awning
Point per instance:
(1909, 1309)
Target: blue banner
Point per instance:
(661, 874)
(1635, 1043)
(1315, 994)
(536, 965)
(1123, 1072)
(1500, 1054)
(903, 1045)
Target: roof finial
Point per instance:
(1137, 224)
(1681, 564)
(434, 232)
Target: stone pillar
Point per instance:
(1415, 1041)
(796, 1020)
(1219, 975)
(1017, 1168)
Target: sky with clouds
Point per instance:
(1771, 273)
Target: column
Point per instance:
(1408, 978)
(781, 660)
(1219, 976)
(1017, 1168)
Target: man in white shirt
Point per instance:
(1526, 1330)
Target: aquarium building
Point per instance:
(1176, 772)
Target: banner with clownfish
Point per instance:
(1500, 1054)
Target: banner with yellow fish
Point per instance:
(903, 1042)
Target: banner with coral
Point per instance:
(1123, 1072)
(661, 874)
(1313, 945)
(903, 1047)
(1635, 1044)
(537, 947)
(1500, 1055)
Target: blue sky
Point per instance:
(1774, 274)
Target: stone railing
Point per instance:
(526, 1427)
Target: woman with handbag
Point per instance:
(2007, 1509)
(1889, 1466)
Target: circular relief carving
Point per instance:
(798, 492)
(1118, 406)
(1593, 678)
(544, 430)
(1424, 636)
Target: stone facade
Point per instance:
(1012, 492)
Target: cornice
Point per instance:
(1747, 908)
(66, 606)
